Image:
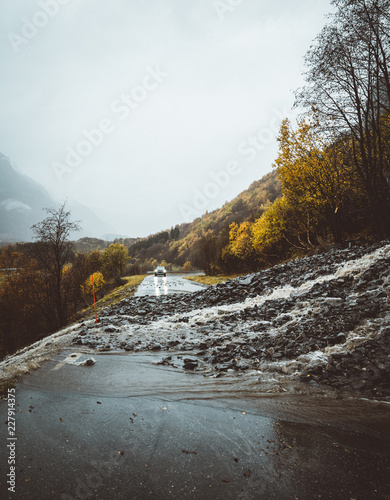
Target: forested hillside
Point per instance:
(200, 243)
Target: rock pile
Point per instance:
(322, 319)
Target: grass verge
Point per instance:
(111, 298)
(211, 280)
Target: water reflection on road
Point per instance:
(160, 287)
(166, 285)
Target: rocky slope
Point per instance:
(324, 320)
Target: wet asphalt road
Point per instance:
(129, 428)
(160, 285)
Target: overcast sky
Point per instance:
(150, 112)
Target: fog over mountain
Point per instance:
(150, 113)
(22, 201)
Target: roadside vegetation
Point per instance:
(46, 284)
(110, 299)
(211, 280)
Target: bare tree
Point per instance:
(348, 82)
(53, 251)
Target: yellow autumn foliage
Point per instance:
(316, 180)
(241, 240)
(87, 287)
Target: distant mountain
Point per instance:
(22, 201)
(87, 244)
(112, 237)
